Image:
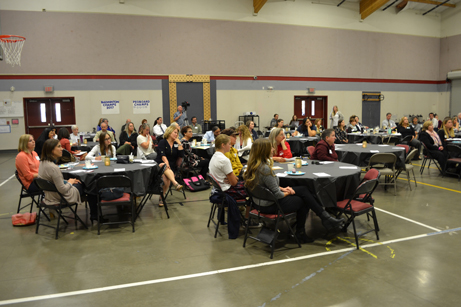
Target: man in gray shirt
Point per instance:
(195, 127)
(179, 117)
(388, 122)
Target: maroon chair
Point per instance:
(407, 148)
(353, 207)
(310, 150)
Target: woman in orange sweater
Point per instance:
(63, 137)
(27, 162)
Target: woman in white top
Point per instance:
(74, 137)
(243, 143)
(144, 141)
(335, 116)
(104, 148)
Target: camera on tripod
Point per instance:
(184, 105)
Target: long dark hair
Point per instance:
(63, 134)
(303, 127)
(155, 123)
(102, 144)
(42, 138)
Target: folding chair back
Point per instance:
(310, 150)
(116, 181)
(47, 186)
(406, 140)
(387, 160)
(154, 188)
(407, 148)
(214, 182)
(382, 158)
(24, 194)
(430, 158)
(266, 235)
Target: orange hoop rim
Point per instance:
(12, 38)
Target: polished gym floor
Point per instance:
(178, 262)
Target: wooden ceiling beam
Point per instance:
(402, 4)
(434, 3)
(368, 7)
(258, 4)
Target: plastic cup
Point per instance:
(289, 167)
(87, 163)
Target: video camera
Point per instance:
(184, 105)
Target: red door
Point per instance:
(313, 107)
(43, 112)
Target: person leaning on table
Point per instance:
(325, 149)
(104, 148)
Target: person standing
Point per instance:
(335, 116)
(179, 117)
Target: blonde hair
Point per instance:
(260, 154)
(23, 142)
(273, 135)
(127, 127)
(220, 140)
(245, 132)
(337, 110)
(451, 131)
(426, 125)
(169, 131)
(401, 122)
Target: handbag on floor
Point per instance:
(196, 183)
(24, 219)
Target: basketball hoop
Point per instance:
(12, 47)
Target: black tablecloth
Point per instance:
(85, 147)
(197, 136)
(137, 172)
(299, 145)
(328, 190)
(204, 153)
(357, 155)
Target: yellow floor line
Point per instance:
(431, 185)
(425, 166)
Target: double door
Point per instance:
(40, 113)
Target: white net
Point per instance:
(12, 47)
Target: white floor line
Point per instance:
(6, 180)
(407, 219)
(209, 273)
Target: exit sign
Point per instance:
(49, 89)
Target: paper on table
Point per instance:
(147, 161)
(276, 167)
(281, 175)
(326, 162)
(137, 160)
(289, 159)
(348, 167)
(374, 150)
(322, 175)
(80, 153)
(147, 164)
(119, 169)
(383, 145)
(77, 171)
(398, 147)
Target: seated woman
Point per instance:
(48, 133)
(251, 126)
(454, 120)
(318, 126)
(405, 129)
(74, 137)
(71, 189)
(291, 199)
(279, 124)
(232, 153)
(340, 133)
(307, 129)
(144, 121)
(104, 148)
(128, 140)
(325, 149)
(243, 143)
(294, 122)
(63, 137)
(190, 158)
(280, 146)
(27, 162)
(446, 131)
(431, 139)
(144, 141)
(170, 149)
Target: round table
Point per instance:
(298, 145)
(204, 151)
(139, 173)
(341, 182)
(357, 155)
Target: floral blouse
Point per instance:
(341, 135)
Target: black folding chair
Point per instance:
(428, 157)
(47, 186)
(154, 188)
(117, 181)
(25, 194)
(220, 205)
(353, 207)
(454, 152)
(267, 235)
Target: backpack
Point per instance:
(196, 183)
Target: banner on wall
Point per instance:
(141, 106)
(110, 107)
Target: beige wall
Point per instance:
(88, 110)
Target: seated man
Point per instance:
(109, 128)
(232, 154)
(211, 135)
(274, 120)
(388, 122)
(104, 129)
(159, 128)
(196, 128)
(124, 126)
(325, 149)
